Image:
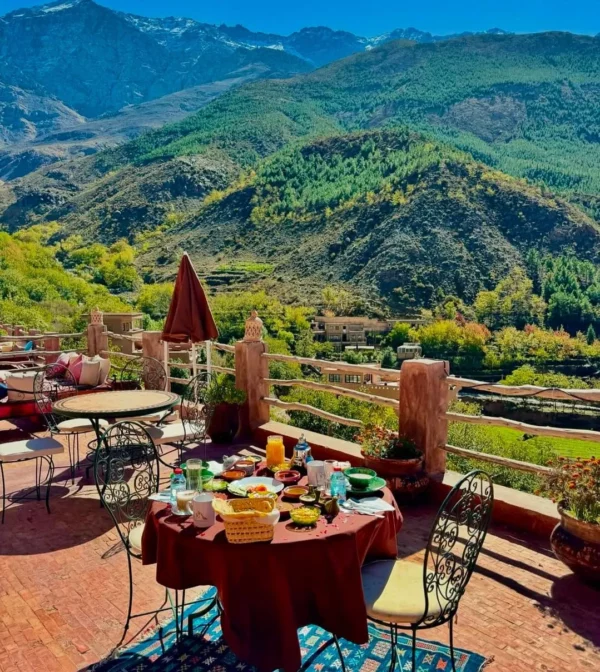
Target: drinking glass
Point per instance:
(275, 450)
(184, 501)
(194, 475)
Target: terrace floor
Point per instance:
(63, 588)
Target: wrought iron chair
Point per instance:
(196, 412)
(47, 390)
(127, 473)
(145, 373)
(410, 596)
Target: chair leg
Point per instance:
(393, 646)
(38, 478)
(48, 481)
(451, 627)
(3, 491)
(339, 650)
(130, 605)
(414, 650)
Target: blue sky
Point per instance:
(371, 17)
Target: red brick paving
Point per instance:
(63, 589)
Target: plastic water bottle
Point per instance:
(177, 483)
(338, 484)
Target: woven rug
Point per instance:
(209, 653)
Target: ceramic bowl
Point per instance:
(233, 474)
(305, 515)
(287, 476)
(360, 477)
(246, 466)
(294, 491)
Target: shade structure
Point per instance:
(190, 317)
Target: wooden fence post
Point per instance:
(251, 369)
(423, 400)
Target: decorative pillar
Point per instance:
(251, 370)
(423, 401)
(97, 339)
(152, 346)
(51, 343)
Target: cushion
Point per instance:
(104, 368)
(135, 538)
(29, 448)
(75, 367)
(394, 592)
(59, 367)
(20, 385)
(78, 425)
(166, 433)
(90, 372)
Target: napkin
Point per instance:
(164, 496)
(370, 506)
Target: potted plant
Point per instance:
(394, 457)
(575, 486)
(226, 400)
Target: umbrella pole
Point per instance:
(167, 365)
(194, 361)
(208, 358)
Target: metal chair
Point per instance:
(48, 390)
(410, 596)
(196, 412)
(145, 373)
(127, 473)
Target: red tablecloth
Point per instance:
(269, 590)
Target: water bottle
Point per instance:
(338, 484)
(177, 483)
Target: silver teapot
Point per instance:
(302, 455)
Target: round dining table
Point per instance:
(268, 590)
(114, 404)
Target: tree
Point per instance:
(155, 299)
(590, 336)
(397, 336)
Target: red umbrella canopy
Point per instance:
(189, 318)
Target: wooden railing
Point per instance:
(519, 392)
(329, 367)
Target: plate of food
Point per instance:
(245, 486)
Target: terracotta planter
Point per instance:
(224, 423)
(405, 478)
(392, 468)
(577, 544)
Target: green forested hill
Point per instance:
(401, 219)
(268, 174)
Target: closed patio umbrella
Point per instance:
(190, 318)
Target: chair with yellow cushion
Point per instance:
(411, 596)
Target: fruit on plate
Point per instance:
(305, 515)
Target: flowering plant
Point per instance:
(575, 485)
(387, 444)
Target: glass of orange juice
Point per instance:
(275, 450)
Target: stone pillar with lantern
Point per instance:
(97, 339)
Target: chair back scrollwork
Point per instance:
(454, 545)
(196, 409)
(144, 373)
(127, 471)
(47, 390)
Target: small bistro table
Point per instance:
(116, 404)
(269, 590)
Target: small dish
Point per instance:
(282, 466)
(285, 508)
(295, 491)
(216, 485)
(233, 475)
(247, 466)
(360, 477)
(288, 476)
(305, 516)
(308, 499)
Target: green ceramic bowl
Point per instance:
(360, 477)
(207, 475)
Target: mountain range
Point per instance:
(78, 77)
(402, 172)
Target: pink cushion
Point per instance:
(75, 367)
(57, 370)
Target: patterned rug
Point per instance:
(210, 653)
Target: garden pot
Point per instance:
(391, 468)
(577, 544)
(224, 423)
(405, 478)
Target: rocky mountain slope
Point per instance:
(396, 217)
